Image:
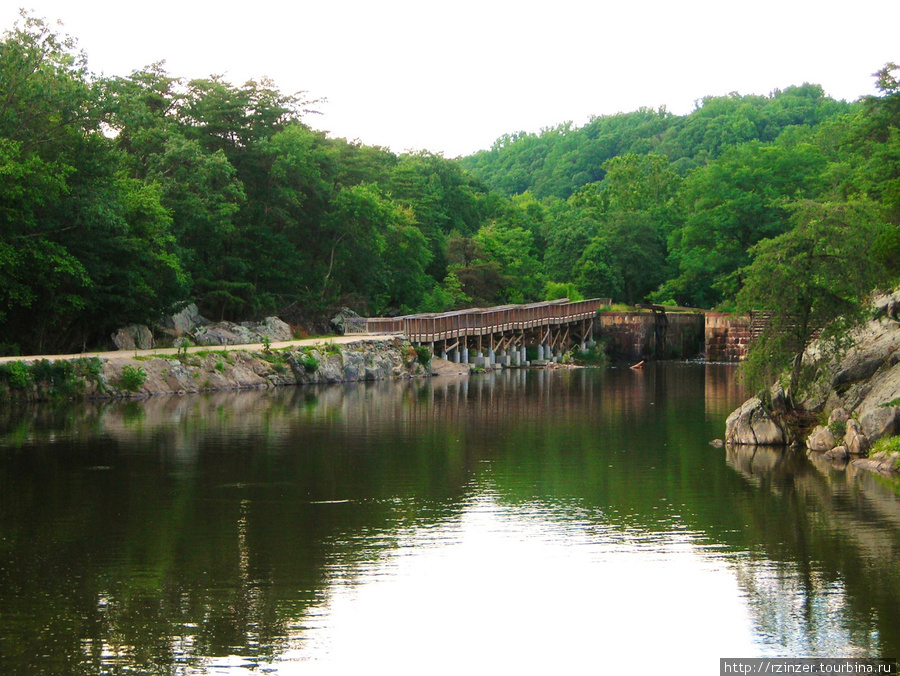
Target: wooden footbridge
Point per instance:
(497, 334)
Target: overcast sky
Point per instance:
(452, 77)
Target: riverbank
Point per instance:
(147, 373)
(850, 413)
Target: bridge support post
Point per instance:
(464, 355)
(491, 357)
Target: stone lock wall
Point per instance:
(644, 335)
(727, 336)
(676, 335)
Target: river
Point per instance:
(568, 521)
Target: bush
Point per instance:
(16, 374)
(132, 378)
(310, 363)
(593, 356)
(423, 354)
(838, 429)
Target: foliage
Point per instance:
(838, 429)
(593, 356)
(15, 374)
(423, 354)
(557, 291)
(310, 364)
(123, 197)
(887, 445)
(810, 279)
(132, 378)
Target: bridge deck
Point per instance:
(427, 328)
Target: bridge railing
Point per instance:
(479, 321)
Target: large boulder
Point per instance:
(856, 442)
(272, 328)
(245, 333)
(133, 337)
(754, 424)
(821, 439)
(342, 318)
(883, 421)
(184, 322)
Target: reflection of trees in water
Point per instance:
(820, 578)
(176, 527)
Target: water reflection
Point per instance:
(531, 520)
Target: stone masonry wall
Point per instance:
(727, 336)
(643, 335)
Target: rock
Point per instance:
(245, 333)
(272, 328)
(837, 453)
(881, 390)
(880, 462)
(133, 337)
(821, 439)
(875, 344)
(184, 322)
(856, 442)
(753, 424)
(886, 305)
(779, 401)
(880, 422)
(717, 443)
(839, 415)
(340, 320)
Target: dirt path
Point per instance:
(254, 347)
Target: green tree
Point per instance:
(810, 279)
(729, 206)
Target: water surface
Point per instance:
(524, 522)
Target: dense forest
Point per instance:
(124, 198)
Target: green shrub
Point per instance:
(593, 356)
(220, 366)
(132, 378)
(423, 354)
(88, 367)
(16, 374)
(838, 429)
(310, 363)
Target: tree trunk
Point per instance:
(796, 368)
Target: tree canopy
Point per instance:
(125, 197)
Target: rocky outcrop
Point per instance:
(133, 337)
(755, 424)
(229, 333)
(184, 322)
(209, 370)
(821, 439)
(239, 369)
(344, 317)
(859, 389)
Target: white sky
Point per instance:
(452, 77)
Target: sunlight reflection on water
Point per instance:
(505, 588)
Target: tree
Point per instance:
(730, 205)
(810, 279)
